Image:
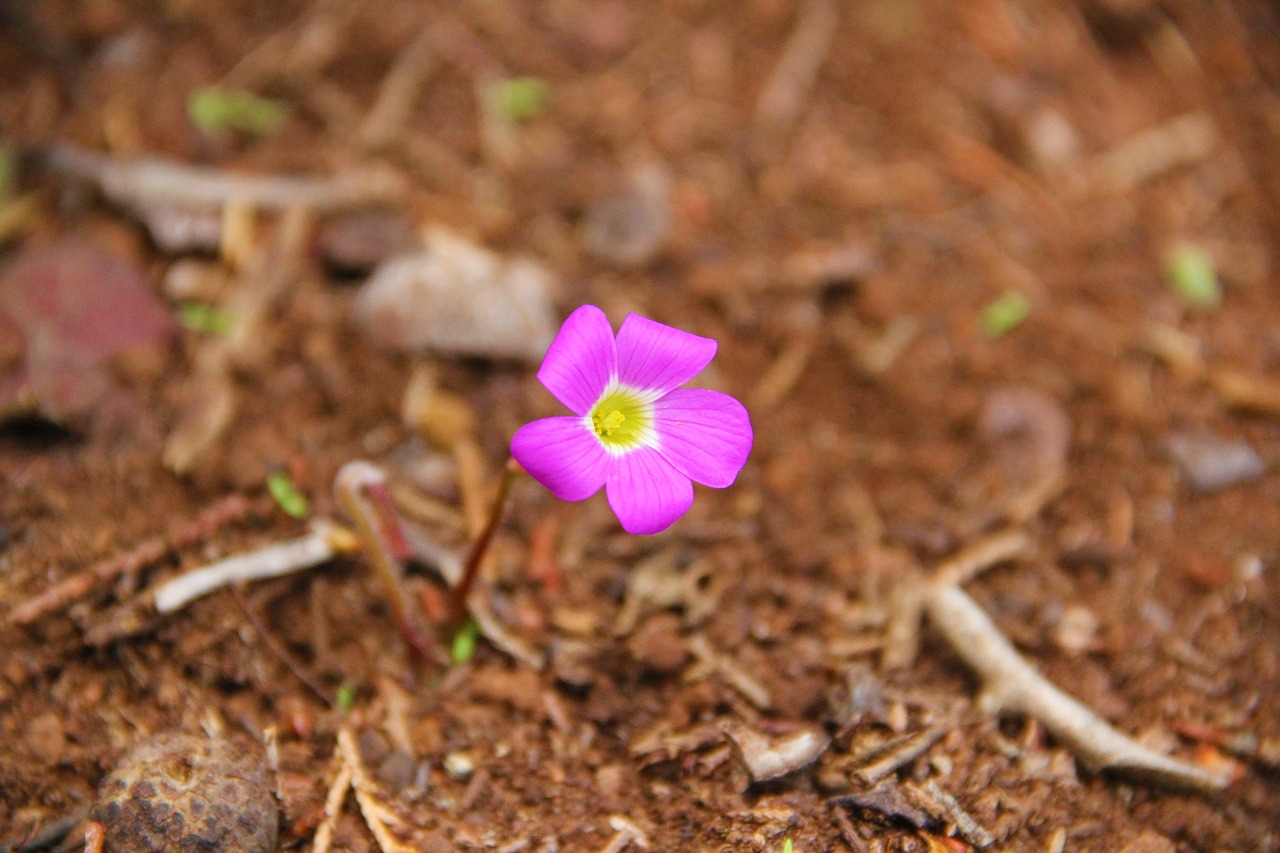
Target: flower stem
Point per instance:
(361, 491)
(480, 547)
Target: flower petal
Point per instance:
(656, 358)
(563, 455)
(704, 434)
(581, 361)
(646, 493)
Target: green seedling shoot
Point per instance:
(287, 496)
(520, 98)
(1193, 275)
(1004, 314)
(205, 319)
(215, 111)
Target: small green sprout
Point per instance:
(1004, 314)
(787, 846)
(205, 319)
(1193, 275)
(215, 110)
(286, 494)
(8, 171)
(520, 98)
(464, 642)
(346, 698)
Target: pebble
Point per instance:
(459, 299)
(459, 765)
(1209, 463)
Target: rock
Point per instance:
(459, 299)
(179, 792)
(1209, 463)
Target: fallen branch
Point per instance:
(1011, 684)
(148, 183)
(226, 511)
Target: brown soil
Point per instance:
(841, 241)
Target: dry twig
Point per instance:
(377, 815)
(797, 70)
(271, 561)
(627, 833)
(1011, 684)
(151, 183)
(223, 513)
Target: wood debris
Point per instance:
(223, 513)
(627, 833)
(737, 677)
(1011, 685)
(768, 758)
(946, 810)
(150, 183)
(890, 757)
(377, 815)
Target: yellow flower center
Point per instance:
(606, 425)
(622, 419)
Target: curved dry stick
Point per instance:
(1011, 684)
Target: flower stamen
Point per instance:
(606, 425)
(622, 419)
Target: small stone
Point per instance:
(1077, 630)
(180, 792)
(1209, 463)
(459, 765)
(459, 299)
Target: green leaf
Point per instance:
(787, 846)
(1004, 314)
(346, 698)
(1194, 276)
(286, 494)
(464, 643)
(215, 110)
(520, 98)
(205, 319)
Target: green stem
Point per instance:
(480, 547)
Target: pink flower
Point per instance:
(634, 430)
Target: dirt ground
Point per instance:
(860, 201)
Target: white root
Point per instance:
(1011, 684)
(272, 561)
